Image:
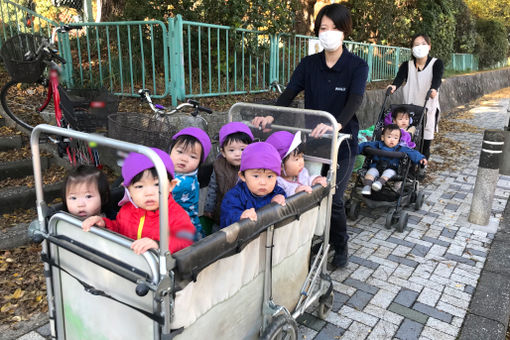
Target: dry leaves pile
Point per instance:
(22, 285)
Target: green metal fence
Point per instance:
(122, 56)
(185, 59)
(220, 60)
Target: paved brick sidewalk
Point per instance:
(416, 284)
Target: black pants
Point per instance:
(338, 231)
(426, 148)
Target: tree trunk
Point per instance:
(305, 17)
(111, 9)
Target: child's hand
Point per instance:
(249, 213)
(304, 188)
(142, 245)
(320, 180)
(423, 161)
(280, 199)
(92, 220)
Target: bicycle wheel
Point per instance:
(22, 102)
(79, 152)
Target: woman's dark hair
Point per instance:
(298, 150)
(423, 35)
(237, 137)
(187, 141)
(397, 110)
(87, 174)
(391, 127)
(339, 14)
(153, 172)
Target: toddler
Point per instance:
(189, 149)
(260, 164)
(138, 217)
(387, 166)
(86, 191)
(401, 117)
(294, 176)
(234, 137)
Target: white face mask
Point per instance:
(331, 40)
(421, 51)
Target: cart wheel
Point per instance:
(420, 197)
(325, 307)
(389, 219)
(282, 327)
(402, 221)
(354, 210)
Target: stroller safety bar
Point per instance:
(369, 151)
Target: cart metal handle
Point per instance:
(164, 254)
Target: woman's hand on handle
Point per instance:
(392, 88)
(262, 122)
(321, 129)
(433, 93)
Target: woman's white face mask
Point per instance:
(421, 51)
(331, 40)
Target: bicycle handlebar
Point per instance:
(145, 94)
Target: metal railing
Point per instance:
(185, 59)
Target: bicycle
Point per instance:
(156, 130)
(27, 57)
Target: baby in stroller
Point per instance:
(383, 168)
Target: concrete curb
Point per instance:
(10, 142)
(24, 197)
(21, 328)
(21, 168)
(489, 309)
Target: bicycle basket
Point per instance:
(21, 62)
(142, 129)
(88, 109)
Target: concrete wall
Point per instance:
(454, 91)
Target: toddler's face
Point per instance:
(83, 199)
(232, 152)
(260, 182)
(294, 164)
(145, 192)
(186, 159)
(391, 138)
(402, 121)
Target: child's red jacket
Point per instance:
(137, 223)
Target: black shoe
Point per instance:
(341, 257)
(422, 171)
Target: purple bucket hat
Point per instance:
(261, 155)
(199, 134)
(136, 163)
(284, 142)
(234, 127)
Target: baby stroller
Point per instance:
(401, 190)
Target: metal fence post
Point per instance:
(273, 58)
(176, 59)
(486, 177)
(397, 59)
(369, 61)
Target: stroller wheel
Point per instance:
(282, 327)
(354, 208)
(402, 221)
(389, 219)
(420, 197)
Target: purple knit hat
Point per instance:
(234, 127)
(284, 142)
(199, 134)
(261, 155)
(136, 163)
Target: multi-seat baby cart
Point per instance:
(248, 280)
(404, 188)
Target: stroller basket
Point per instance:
(21, 61)
(141, 128)
(88, 109)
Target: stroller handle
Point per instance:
(369, 151)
